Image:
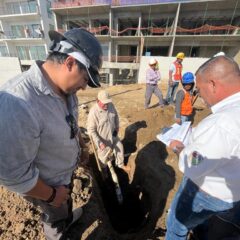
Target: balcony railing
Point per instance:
(157, 31)
(26, 35)
(129, 59)
(75, 3)
(144, 2)
(19, 8)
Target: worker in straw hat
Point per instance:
(39, 117)
(152, 78)
(103, 127)
(175, 77)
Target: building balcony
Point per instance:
(75, 3)
(79, 3)
(164, 31)
(19, 8)
(123, 59)
(19, 36)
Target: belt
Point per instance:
(152, 84)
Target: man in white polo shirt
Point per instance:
(211, 160)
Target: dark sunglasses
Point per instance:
(73, 125)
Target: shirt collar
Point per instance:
(40, 82)
(226, 102)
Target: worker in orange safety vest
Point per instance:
(184, 99)
(175, 76)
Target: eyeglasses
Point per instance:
(73, 125)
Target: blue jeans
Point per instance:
(172, 92)
(185, 118)
(191, 207)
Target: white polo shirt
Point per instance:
(212, 158)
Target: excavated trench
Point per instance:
(128, 216)
(144, 199)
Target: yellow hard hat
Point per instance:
(180, 55)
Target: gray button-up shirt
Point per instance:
(35, 136)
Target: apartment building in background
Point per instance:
(24, 27)
(129, 29)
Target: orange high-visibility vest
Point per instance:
(186, 106)
(178, 74)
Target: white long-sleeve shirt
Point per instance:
(212, 158)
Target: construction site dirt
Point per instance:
(147, 191)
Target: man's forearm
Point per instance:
(170, 76)
(53, 196)
(40, 191)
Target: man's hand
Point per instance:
(195, 92)
(170, 82)
(176, 146)
(178, 121)
(62, 195)
(102, 146)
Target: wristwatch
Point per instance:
(52, 197)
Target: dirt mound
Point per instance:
(148, 190)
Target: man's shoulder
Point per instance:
(149, 70)
(172, 66)
(12, 105)
(223, 120)
(180, 93)
(94, 109)
(19, 84)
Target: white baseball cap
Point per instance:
(104, 97)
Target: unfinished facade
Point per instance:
(130, 29)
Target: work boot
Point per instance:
(58, 230)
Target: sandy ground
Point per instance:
(148, 190)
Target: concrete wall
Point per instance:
(237, 58)
(9, 67)
(189, 64)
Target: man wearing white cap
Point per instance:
(152, 78)
(39, 112)
(103, 127)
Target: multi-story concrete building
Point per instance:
(129, 29)
(23, 29)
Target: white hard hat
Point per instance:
(219, 54)
(152, 61)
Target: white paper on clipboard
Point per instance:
(175, 132)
